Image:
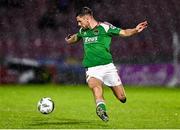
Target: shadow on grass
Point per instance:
(71, 123)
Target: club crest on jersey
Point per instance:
(90, 40)
(95, 32)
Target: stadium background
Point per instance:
(33, 49)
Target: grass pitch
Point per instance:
(146, 107)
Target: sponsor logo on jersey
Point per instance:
(90, 39)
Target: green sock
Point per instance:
(103, 106)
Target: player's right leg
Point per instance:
(96, 87)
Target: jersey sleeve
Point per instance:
(113, 31)
(79, 34)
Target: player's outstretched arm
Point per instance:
(129, 32)
(70, 39)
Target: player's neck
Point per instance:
(93, 24)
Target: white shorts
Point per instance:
(108, 74)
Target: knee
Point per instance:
(123, 100)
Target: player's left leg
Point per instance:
(112, 79)
(119, 92)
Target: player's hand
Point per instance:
(71, 38)
(141, 26)
(68, 37)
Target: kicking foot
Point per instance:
(101, 112)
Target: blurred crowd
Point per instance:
(33, 31)
(36, 29)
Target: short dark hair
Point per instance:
(84, 11)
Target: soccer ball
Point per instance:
(45, 105)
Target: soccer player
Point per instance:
(97, 59)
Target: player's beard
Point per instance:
(85, 27)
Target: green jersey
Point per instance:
(97, 44)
